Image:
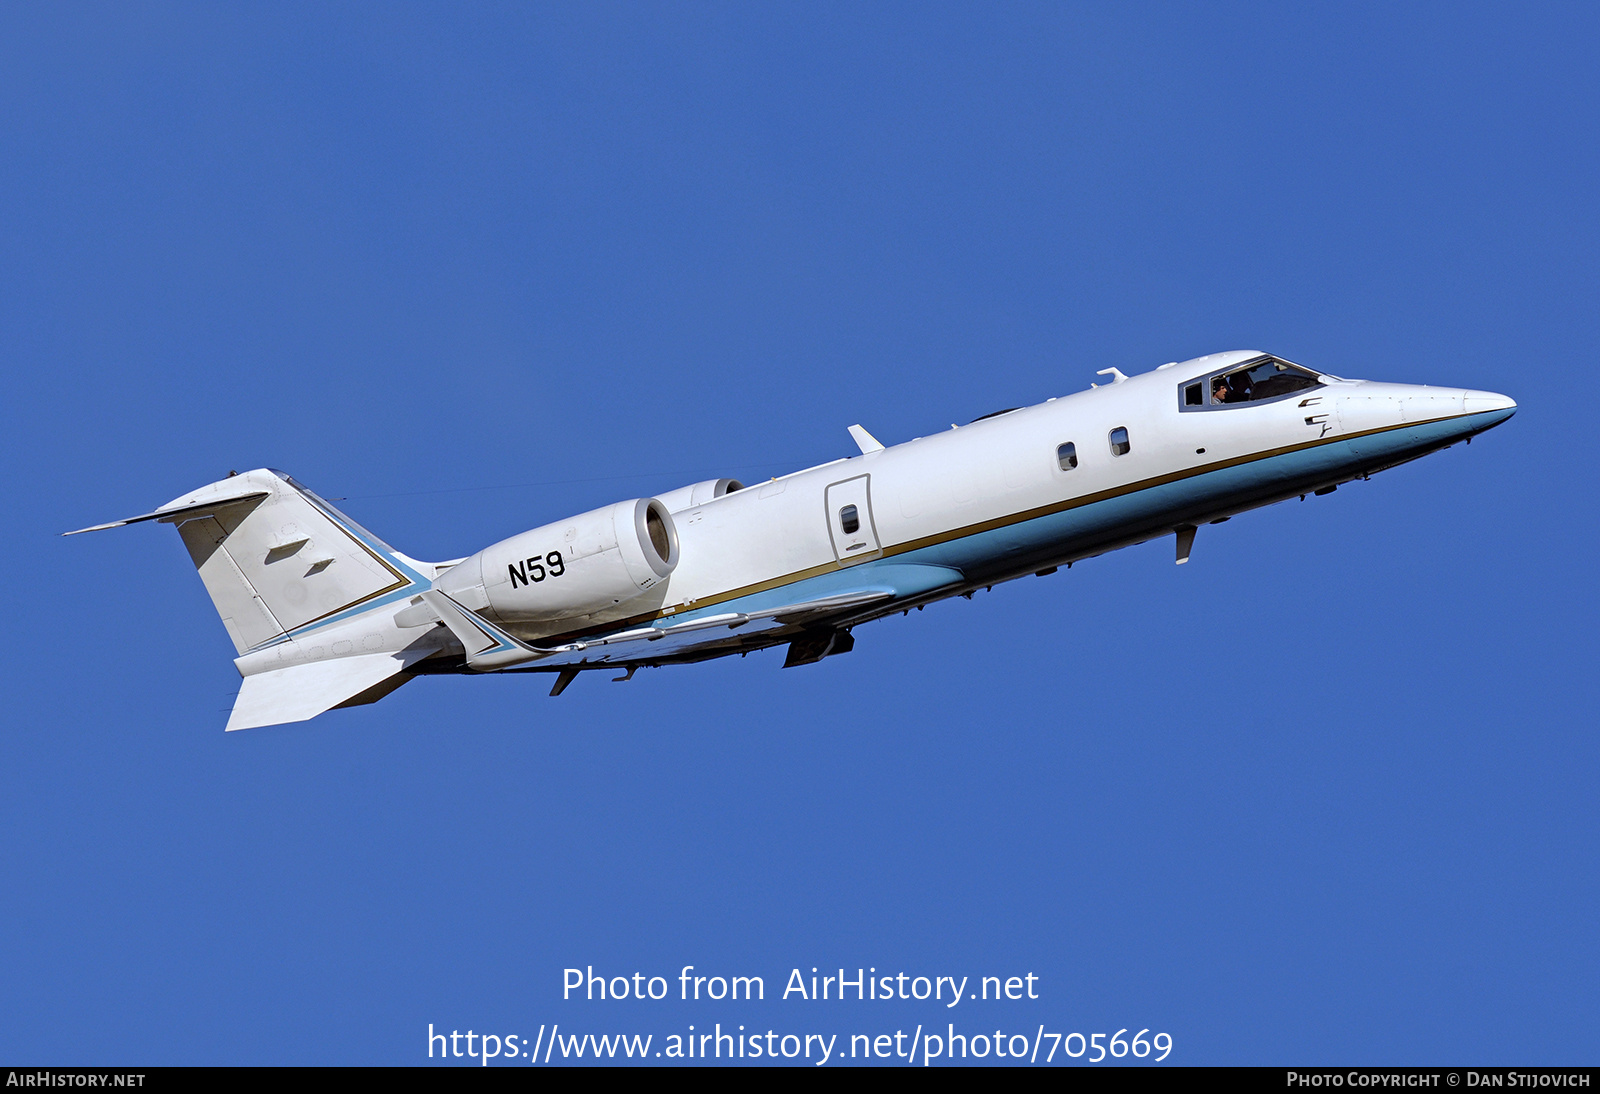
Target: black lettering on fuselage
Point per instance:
(532, 570)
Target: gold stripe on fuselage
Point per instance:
(987, 526)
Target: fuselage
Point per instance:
(996, 499)
(803, 558)
(324, 614)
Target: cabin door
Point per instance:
(850, 523)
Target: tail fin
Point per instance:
(281, 565)
(277, 559)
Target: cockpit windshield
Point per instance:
(1258, 380)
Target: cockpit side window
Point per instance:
(1261, 380)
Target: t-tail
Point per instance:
(307, 595)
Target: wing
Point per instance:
(490, 648)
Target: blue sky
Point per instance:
(1324, 795)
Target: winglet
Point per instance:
(865, 441)
(488, 647)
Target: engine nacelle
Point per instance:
(687, 497)
(578, 566)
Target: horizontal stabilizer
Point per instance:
(304, 691)
(174, 512)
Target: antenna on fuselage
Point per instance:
(865, 441)
(1115, 373)
(1185, 542)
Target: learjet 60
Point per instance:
(324, 614)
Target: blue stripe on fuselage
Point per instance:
(1158, 508)
(913, 574)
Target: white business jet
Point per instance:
(325, 614)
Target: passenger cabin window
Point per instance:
(1262, 380)
(1067, 456)
(1119, 441)
(850, 520)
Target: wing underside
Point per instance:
(848, 598)
(490, 648)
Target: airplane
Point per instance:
(325, 615)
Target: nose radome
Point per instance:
(1478, 402)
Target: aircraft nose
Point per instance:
(1480, 402)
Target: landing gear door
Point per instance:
(850, 523)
